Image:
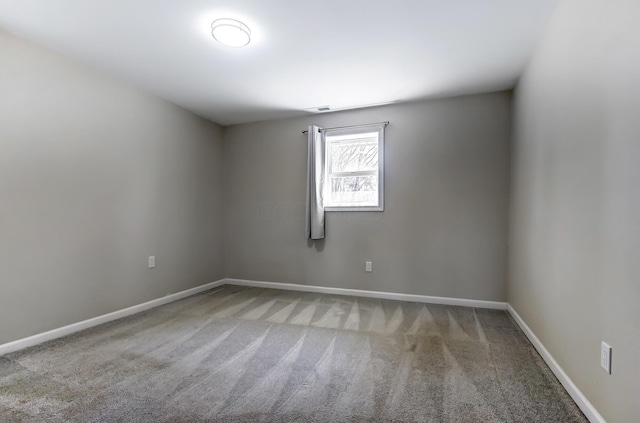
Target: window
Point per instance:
(354, 177)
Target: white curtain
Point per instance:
(315, 182)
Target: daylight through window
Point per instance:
(354, 169)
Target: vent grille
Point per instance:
(319, 109)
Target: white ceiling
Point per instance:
(303, 53)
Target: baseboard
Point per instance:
(587, 408)
(371, 294)
(86, 324)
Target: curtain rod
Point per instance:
(385, 123)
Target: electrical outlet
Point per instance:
(605, 357)
(152, 262)
(368, 266)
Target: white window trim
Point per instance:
(379, 128)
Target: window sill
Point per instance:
(355, 209)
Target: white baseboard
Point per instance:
(371, 294)
(85, 324)
(587, 408)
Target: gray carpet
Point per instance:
(246, 355)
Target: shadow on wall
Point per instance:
(295, 212)
(286, 211)
(318, 244)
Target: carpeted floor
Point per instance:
(246, 355)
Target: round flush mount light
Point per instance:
(230, 32)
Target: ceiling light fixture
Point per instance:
(230, 32)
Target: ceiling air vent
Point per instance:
(319, 109)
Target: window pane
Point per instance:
(354, 190)
(354, 155)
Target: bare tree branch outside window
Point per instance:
(353, 173)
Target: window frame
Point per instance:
(379, 129)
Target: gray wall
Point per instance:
(444, 228)
(575, 231)
(94, 178)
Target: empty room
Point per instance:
(320, 211)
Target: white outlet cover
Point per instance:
(605, 357)
(152, 262)
(368, 266)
